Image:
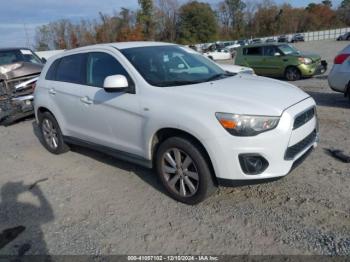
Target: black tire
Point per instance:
(292, 73)
(61, 147)
(205, 185)
(210, 57)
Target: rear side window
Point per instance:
(100, 65)
(270, 51)
(252, 51)
(51, 73)
(70, 69)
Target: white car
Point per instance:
(198, 128)
(222, 54)
(339, 77)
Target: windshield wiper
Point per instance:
(177, 83)
(219, 76)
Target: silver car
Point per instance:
(339, 77)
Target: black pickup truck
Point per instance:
(19, 71)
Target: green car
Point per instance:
(280, 60)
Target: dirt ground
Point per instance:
(90, 203)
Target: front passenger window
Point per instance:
(100, 65)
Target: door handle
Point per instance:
(86, 100)
(52, 91)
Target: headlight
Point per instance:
(304, 60)
(245, 125)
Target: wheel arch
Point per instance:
(292, 66)
(41, 110)
(164, 133)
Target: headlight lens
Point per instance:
(245, 125)
(304, 60)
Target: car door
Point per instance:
(64, 88)
(253, 57)
(272, 64)
(111, 119)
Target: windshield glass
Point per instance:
(20, 55)
(173, 65)
(287, 49)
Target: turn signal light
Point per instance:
(228, 124)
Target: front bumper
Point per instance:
(270, 145)
(16, 108)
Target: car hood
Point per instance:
(314, 57)
(245, 94)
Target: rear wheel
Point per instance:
(184, 171)
(292, 74)
(51, 134)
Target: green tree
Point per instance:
(345, 3)
(344, 12)
(197, 23)
(235, 9)
(145, 18)
(327, 3)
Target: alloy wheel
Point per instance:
(50, 133)
(292, 74)
(180, 172)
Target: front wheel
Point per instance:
(292, 74)
(184, 171)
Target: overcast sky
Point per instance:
(19, 18)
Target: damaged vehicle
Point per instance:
(19, 71)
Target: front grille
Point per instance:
(299, 147)
(303, 118)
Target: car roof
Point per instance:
(124, 45)
(265, 44)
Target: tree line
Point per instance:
(193, 22)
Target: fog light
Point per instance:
(253, 164)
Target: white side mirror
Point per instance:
(115, 83)
(277, 54)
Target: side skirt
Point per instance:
(110, 151)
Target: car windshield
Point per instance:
(173, 65)
(288, 50)
(18, 55)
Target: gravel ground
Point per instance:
(90, 203)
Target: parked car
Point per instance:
(218, 54)
(339, 77)
(256, 41)
(242, 42)
(197, 128)
(19, 71)
(270, 40)
(343, 37)
(282, 39)
(280, 60)
(297, 38)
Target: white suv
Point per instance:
(165, 106)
